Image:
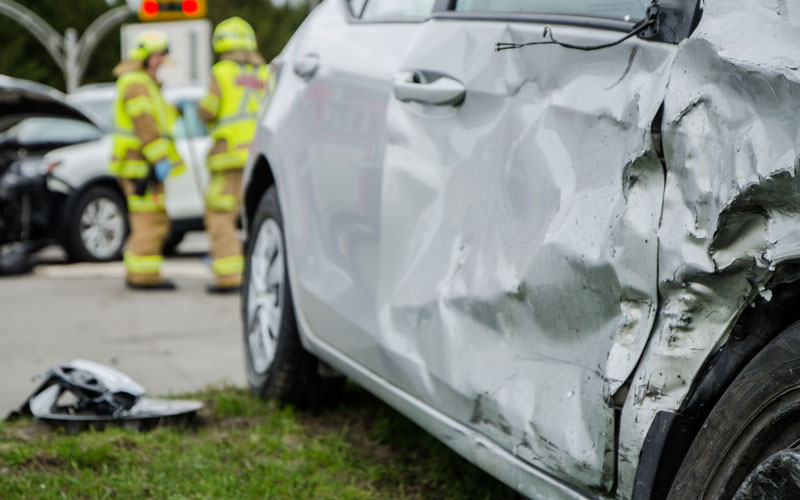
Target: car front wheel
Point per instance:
(749, 446)
(277, 364)
(97, 227)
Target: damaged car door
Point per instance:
(521, 199)
(340, 85)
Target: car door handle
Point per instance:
(306, 66)
(428, 88)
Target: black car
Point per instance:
(34, 119)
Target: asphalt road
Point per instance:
(169, 342)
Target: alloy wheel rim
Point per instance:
(265, 295)
(102, 228)
(776, 477)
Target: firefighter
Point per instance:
(237, 85)
(143, 155)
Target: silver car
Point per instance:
(562, 236)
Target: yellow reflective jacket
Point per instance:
(142, 124)
(231, 106)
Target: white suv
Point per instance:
(94, 225)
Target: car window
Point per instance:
(41, 130)
(103, 109)
(356, 6)
(627, 10)
(189, 125)
(395, 9)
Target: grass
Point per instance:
(243, 447)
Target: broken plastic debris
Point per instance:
(84, 393)
(15, 259)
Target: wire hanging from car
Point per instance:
(548, 31)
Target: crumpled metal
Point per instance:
(84, 393)
(731, 140)
(517, 274)
(525, 263)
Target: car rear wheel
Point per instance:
(97, 227)
(277, 364)
(747, 446)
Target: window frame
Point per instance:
(352, 18)
(681, 16)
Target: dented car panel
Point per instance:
(511, 231)
(731, 143)
(548, 260)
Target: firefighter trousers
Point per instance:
(222, 209)
(149, 225)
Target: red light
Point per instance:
(150, 7)
(190, 6)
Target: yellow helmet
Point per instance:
(233, 34)
(146, 43)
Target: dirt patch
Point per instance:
(358, 420)
(357, 429)
(43, 461)
(27, 433)
(123, 443)
(291, 442)
(226, 424)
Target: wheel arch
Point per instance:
(69, 207)
(261, 179)
(672, 433)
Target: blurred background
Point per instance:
(24, 57)
(63, 212)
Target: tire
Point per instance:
(97, 227)
(277, 365)
(757, 417)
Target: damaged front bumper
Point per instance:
(83, 394)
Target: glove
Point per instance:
(183, 105)
(161, 170)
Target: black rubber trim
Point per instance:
(399, 20)
(560, 19)
(187, 224)
(669, 437)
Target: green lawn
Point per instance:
(243, 447)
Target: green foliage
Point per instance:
(244, 447)
(24, 57)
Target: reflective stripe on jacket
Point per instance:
(142, 124)
(232, 104)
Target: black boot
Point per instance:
(162, 285)
(221, 290)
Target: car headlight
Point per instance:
(23, 174)
(34, 167)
